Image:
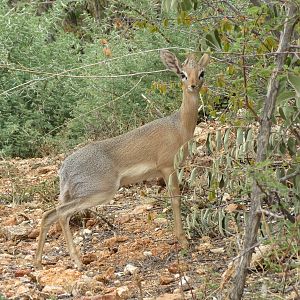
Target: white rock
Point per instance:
(147, 253)
(87, 232)
(131, 269)
(184, 282)
(78, 240)
(117, 282)
(123, 292)
(53, 290)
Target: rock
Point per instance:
(34, 234)
(176, 267)
(78, 240)
(87, 232)
(57, 276)
(13, 232)
(165, 279)
(259, 254)
(131, 269)
(123, 292)
(141, 209)
(88, 258)
(90, 222)
(22, 272)
(110, 296)
(169, 297)
(106, 276)
(160, 221)
(85, 285)
(217, 250)
(111, 242)
(53, 290)
(184, 282)
(204, 247)
(124, 218)
(20, 292)
(147, 253)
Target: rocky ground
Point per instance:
(127, 246)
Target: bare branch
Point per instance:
(253, 223)
(289, 176)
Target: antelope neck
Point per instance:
(189, 111)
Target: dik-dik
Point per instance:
(93, 174)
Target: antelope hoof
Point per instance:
(184, 243)
(38, 265)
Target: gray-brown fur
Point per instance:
(93, 174)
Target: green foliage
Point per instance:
(55, 86)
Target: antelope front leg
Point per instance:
(171, 181)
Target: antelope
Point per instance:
(93, 174)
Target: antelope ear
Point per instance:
(204, 60)
(170, 61)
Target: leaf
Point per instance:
(298, 102)
(282, 148)
(208, 144)
(295, 82)
(226, 137)
(285, 96)
(292, 146)
(239, 136)
(180, 175)
(193, 176)
(221, 216)
(218, 139)
(192, 147)
(221, 182)
(213, 40)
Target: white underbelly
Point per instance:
(138, 172)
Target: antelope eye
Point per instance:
(183, 76)
(201, 75)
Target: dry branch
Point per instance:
(262, 143)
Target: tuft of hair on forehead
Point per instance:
(191, 61)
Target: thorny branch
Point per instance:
(245, 81)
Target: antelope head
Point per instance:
(191, 71)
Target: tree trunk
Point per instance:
(250, 238)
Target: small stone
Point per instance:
(87, 232)
(123, 292)
(34, 233)
(131, 269)
(78, 240)
(217, 250)
(165, 279)
(85, 285)
(184, 282)
(117, 282)
(106, 276)
(16, 231)
(160, 221)
(53, 290)
(170, 297)
(141, 209)
(21, 291)
(88, 258)
(175, 268)
(124, 218)
(22, 272)
(147, 253)
(57, 276)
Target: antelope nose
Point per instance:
(191, 87)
